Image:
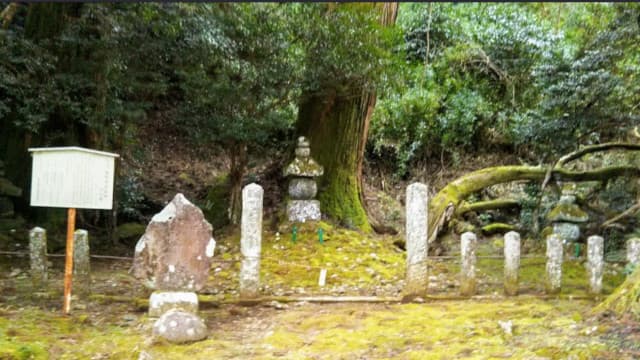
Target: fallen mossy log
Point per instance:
(495, 204)
(446, 202)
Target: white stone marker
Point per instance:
(251, 240)
(468, 244)
(595, 255)
(322, 280)
(633, 251)
(81, 262)
(554, 264)
(511, 262)
(38, 255)
(417, 279)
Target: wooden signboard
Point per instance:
(72, 177)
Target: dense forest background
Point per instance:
(205, 98)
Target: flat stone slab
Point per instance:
(161, 302)
(178, 327)
(303, 210)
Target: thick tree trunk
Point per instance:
(336, 127)
(444, 205)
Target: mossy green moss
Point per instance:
(497, 228)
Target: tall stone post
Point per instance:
(511, 262)
(468, 244)
(633, 251)
(554, 264)
(38, 255)
(595, 255)
(251, 240)
(81, 263)
(417, 279)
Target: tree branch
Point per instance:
(8, 13)
(630, 211)
(595, 148)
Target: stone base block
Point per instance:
(162, 301)
(180, 327)
(303, 210)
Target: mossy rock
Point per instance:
(216, 204)
(498, 228)
(548, 230)
(567, 212)
(130, 230)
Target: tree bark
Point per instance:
(444, 205)
(8, 13)
(336, 127)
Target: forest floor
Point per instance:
(112, 323)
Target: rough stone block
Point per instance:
(303, 210)
(511, 262)
(554, 264)
(81, 263)
(38, 255)
(417, 279)
(595, 263)
(162, 301)
(178, 327)
(468, 244)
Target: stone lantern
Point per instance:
(302, 184)
(566, 217)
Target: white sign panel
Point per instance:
(72, 177)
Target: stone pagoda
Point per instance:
(566, 217)
(302, 171)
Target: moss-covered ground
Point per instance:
(112, 324)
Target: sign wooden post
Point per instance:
(72, 178)
(68, 262)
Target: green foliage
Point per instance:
(537, 78)
(240, 73)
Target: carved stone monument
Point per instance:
(173, 257)
(566, 217)
(302, 187)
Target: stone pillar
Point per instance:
(251, 240)
(417, 279)
(81, 263)
(468, 244)
(595, 255)
(511, 262)
(554, 264)
(633, 251)
(38, 256)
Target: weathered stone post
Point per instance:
(81, 263)
(251, 240)
(468, 244)
(595, 254)
(554, 264)
(38, 255)
(633, 251)
(417, 279)
(511, 262)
